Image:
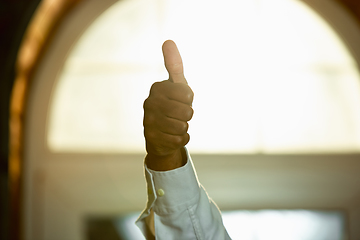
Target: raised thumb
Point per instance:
(173, 62)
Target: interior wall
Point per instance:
(14, 19)
(353, 7)
(40, 182)
(55, 186)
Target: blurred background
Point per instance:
(275, 137)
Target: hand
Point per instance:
(166, 113)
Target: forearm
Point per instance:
(183, 209)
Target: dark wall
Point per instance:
(353, 6)
(14, 18)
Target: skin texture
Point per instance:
(167, 111)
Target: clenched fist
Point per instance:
(166, 113)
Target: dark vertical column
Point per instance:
(14, 18)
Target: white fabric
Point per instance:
(184, 212)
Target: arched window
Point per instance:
(281, 81)
(268, 76)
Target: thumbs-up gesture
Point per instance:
(166, 113)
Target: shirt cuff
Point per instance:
(170, 191)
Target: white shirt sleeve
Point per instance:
(178, 207)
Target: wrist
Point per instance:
(168, 162)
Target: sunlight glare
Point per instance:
(268, 76)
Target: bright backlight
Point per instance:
(268, 76)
